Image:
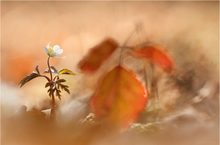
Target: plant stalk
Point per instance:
(53, 102)
(48, 64)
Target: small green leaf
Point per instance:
(51, 92)
(47, 84)
(67, 90)
(60, 81)
(58, 94)
(66, 71)
(63, 86)
(27, 79)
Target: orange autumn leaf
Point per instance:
(156, 56)
(119, 98)
(97, 55)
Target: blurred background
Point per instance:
(188, 30)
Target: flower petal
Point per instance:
(46, 50)
(57, 50)
(53, 50)
(48, 45)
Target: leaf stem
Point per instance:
(154, 91)
(145, 77)
(124, 44)
(45, 77)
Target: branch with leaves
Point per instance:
(54, 83)
(120, 96)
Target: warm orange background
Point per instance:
(27, 27)
(188, 30)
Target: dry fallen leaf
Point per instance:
(97, 55)
(119, 98)
(156, 56)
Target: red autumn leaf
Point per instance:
(157, 56)
(119, 98)
(97, 55)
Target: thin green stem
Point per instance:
(48, 64)
(53, 108)
(53, 102)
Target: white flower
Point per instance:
(53, 50)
